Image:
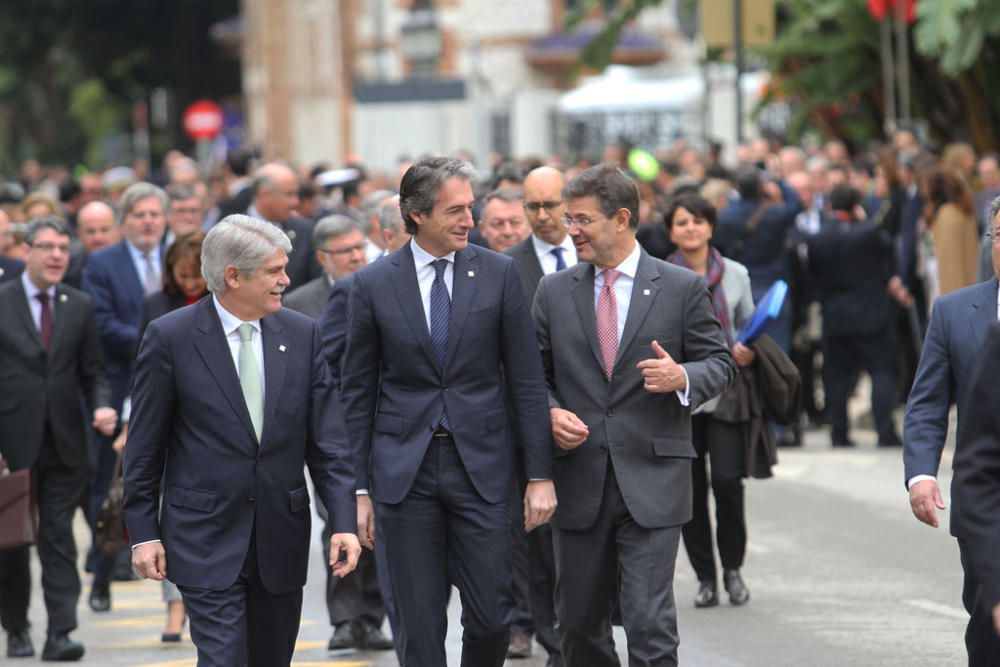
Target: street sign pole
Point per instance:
(738, 61)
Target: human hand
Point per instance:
(119, 444)
(568, 430)
(996, 618)
(743, 355)
(105, 420)
(662, 374)
(366, 521)
(539, 503)
(150, 561)
(348, 543)
(924, 497)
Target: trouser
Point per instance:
(981, 641)
(842, 355)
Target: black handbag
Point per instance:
(112, 535)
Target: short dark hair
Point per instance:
(748, 183)
(181, 192)
(418, 189)
(36, 225)
(509, 195)
(508, 171)
(186, 247)
(694, 203)
(844, 197)
(239, 161)
(611, 186)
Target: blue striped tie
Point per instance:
(440, 321)
(560, 262)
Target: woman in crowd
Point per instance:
(690, 221)
(951, 242)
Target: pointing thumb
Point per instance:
(660, 352)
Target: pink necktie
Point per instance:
(606, 319)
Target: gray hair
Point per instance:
(242, 242)
(994, 209)
(181, 192)
(389, 217)
(418, 189)
(509, 195)
(36, 225)
(333, 226)
(370, 207)
(137, 192)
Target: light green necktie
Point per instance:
(250, 379)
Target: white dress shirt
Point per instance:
(372, 251)
(139, 261)
(919, 478)
(623, 297)
(543, 249)
(34, 305)
(424, 263)
(230, 326)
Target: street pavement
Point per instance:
(839, 571)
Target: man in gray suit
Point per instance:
(630, 345)
(340, 250)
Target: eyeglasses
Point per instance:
(358, 247)
(580, 221)
(534, 207)
(51, 247)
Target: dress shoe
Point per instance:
(520, 645)
(343, 637)
(707, 595)
(738, 591)
(374, 639)
(19, 645)
(100, 597)
(60, 648)
(843, 443)
(892, 441)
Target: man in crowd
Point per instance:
(612, 393)
(989, 182)
(548, 249)
(50, 356)
(238, 181)
(503, 223)
(371, 209)
(440, 357)
(10, 268)
(234, 529)
(185, 212)
(96, 227)
(955, 340)
(275, 196)
(340, 250)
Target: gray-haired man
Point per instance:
(340, 250)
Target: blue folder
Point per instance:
(766, 312)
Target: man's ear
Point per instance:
(232, 275)
(622, 217)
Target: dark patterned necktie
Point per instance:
(560, 262)
(440, 321)
(45, 323)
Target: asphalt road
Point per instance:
(840, 574)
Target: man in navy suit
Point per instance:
(231, 398)
(441, 370)
(955, 338)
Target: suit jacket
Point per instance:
(648, 435)
(528, 266)
(394, 392)
(333, 327)
(191, 428)
(955, 336)
(975, 487)
(32, 381)
(851, 264)
(310, 299)
(10, 268)
(111, 280)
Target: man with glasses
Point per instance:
(548, 249)
(955, 338)
(185, 213)
(340, 249)
(10, 268)
(50, 357)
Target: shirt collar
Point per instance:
(32, 290)
(230, 322)
(630, 265)
(422, 258)
(138, 255)
(542, 247)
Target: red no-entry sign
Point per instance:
(202, 120)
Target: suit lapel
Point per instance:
(133, 281)
(464, 283)
(275, 364)
(404, 282)
(583, 298)
(24, 315)
(531, 257)
(984, 311)
(644, 289)
(214, 350)
(60, 313)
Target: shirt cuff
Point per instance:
(685, 396)
(361, 492)
(919, 478)
(141, 543)
(539, 479)
(126, 410)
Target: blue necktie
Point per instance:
(440, 320)
(560, 262)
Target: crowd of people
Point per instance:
(113, 280)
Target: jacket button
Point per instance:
(604, 450)
(609, 414)
(251, 500)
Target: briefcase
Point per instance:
(18, 509)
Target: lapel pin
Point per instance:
(291, 234)
(472, 274)
(63, 298)
(281, 348)
(645, 292)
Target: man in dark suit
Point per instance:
(10, 268)
(852, 263)
(275, 198)
(440, 358)
(955, 338)
(340, 250)
(548, 249)
(233, 532)
(975, 493)
(50, 356)
(610, 330)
